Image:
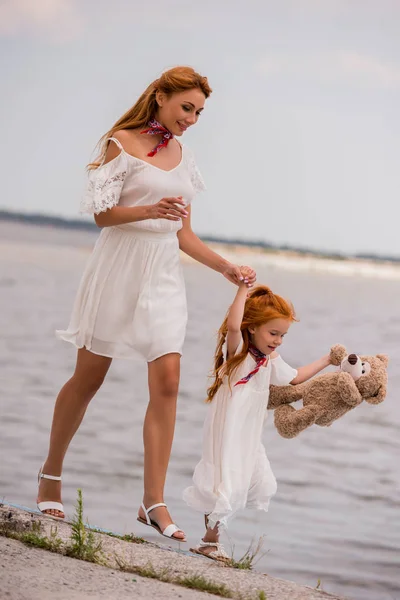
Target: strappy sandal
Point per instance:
(168, 532)
(49, 505)
(219, 554)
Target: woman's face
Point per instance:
(181, 110)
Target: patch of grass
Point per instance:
(134, 539)
(195, 582)
(35, 538)
(83, 542)
(247, 561)
(198, 582)
(128, 537)
(146, 571)
(260, 595)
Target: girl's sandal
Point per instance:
(219, 554)
(168, 532)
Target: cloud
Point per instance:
(350, 67)
(57, 20)
(371, 69)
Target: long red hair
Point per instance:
(261, 306)
(175, 80)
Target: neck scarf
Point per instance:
(260, 359)
(155, 128)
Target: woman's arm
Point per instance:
(194, 247)
(119, 215)
(308, 371)
(171, 209)
(234, 320)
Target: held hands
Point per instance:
(240, 275)
(172, 209)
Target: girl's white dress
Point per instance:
(234, 471)
(131, 299)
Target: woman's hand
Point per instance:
(172, 209)
(238, 275)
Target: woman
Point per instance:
(132, 297)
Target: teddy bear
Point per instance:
(328, 397)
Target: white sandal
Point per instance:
(49, 505)
(219, 554)
(168, 531)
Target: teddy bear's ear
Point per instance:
(383, 358)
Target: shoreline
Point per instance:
(18, 240)
(294, 261)
(257, 253)
(124, 567)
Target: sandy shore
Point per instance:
(17, 243)
(293, 261)
(29, 573)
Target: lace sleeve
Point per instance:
(195, 175)
(104, 186)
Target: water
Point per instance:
(336, 514)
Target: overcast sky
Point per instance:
(298, 144)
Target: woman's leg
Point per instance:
(158, 434)
(69, 410)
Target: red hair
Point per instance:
(173, 81)
(261, 306)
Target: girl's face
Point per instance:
(181, 110)
(269, 337)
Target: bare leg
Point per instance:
(69, 410)
(210, 545)
(158, 434)
(211, 536)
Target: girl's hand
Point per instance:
(249, 275)
(171, 209)
(328, 359)
(239, 275)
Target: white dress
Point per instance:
(131, 300)
(234, 471)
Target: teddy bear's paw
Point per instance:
(337, 354)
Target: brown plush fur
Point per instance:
(328, 397)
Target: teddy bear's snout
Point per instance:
(352, 358)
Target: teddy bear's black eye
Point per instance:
(363, 364)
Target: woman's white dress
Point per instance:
(234, 471)
(131, 300)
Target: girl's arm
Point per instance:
(194, 247)
(308, 371)
(234, 321)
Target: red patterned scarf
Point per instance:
(260, 359)
(155, 128)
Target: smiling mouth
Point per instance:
(182, 127)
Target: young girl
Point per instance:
(234, 471)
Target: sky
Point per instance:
(298, 143)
